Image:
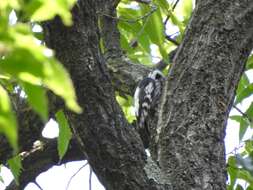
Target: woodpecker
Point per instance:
(146, 99)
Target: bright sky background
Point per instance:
(58, 177)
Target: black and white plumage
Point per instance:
(146, 97)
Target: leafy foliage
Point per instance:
(27, 63)
(8, 124)
(143, 25)
(241, 167)
(37, 98)
(16, 167)
(127, 105)
(64, 133)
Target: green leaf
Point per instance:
(132, 32)
(126, 104)
(39, 35)
(30, 8)
(128, 13)
(124, 43)
(28, 62)
(245, 175)
(7, 83)
(249, 64)
(244, 124)
(15, 166)
(64, 133)
(243, 83)
(239, 187)
(249, 111)
(184, 8)
(14, 4)
(8, 124)
(154, 27)
(232, 171)
(236, 118)
(144, 43)
(132, 28)
(243, 128)
(58, 80)
(250, 187)
(179, 24)
(39, 10)
(164, 5)
(164, 53)
(37, 99)
(246, 92)
(24, 64)
(249, 146)
(245, 162)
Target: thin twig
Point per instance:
(172, 40)
(243, 142)
(75, 175)
(145, 19)
(175, 4)
(243, 114)
(168, 16)
(143, 1)
(90, 176)
(36, 183)
(153, 9)
(234, 151)
(143, 26)
(162, 64)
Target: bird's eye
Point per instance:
(158, 76)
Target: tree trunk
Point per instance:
(200, 91)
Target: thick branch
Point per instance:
(43, 157)
(30, 127)
(126, 75)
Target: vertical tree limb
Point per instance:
(200, 91)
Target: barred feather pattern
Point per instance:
(146, 96)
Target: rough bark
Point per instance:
(200, 91)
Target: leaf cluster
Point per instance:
(29, 69)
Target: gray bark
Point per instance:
(200, 92)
